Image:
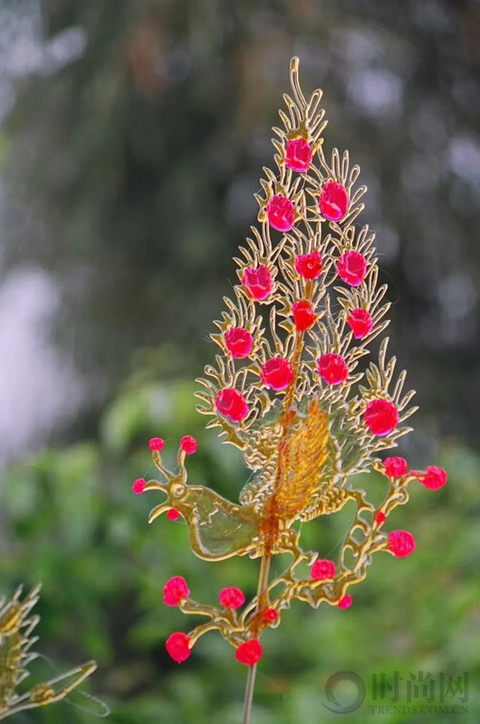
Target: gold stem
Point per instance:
(247, 707)
(262, 587)
(262, 591)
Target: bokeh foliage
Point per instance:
(137, 165)
(73, 523)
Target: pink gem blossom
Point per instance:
(239, 342)
(178, 646)
(139, 486)
(277, 373)
(175, 590)
(333, 201)
(281, 213)
(401, 543)
(298, 155)
(258, 282)
(188, 444)
(231, 597)
(352, 268)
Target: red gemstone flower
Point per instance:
(309, 266)
(239, 342)
(258, 281)
(175, 590)
(280, 213)
(173, 514)
(303, 315)
(178, 646)
(380, 518)
(298, 155)
(231, 403)
(277, 373)
(401, 543)
(333, 201)
(250, 652)
(333, 368)
(156, 443)
(352, 268)
(139, 486)
(381, 417)
(395, 467)
(322, 570)
(231, 597)
(188, 444)
(434, 478)
(270, 614)
(360, 322)
(345, 602)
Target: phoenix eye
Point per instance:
(178, 490)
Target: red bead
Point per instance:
(401, 543)
(178, 646)
(139, 486)
(381, 417)
(323, 570)
(434, 478)
(250, 652)
(239, 342)
(156, 443)
(310, 265)
(258, 281)
(303, 315)
(277, 373)
(175, 590)
(360, 322)
(333, 201)
(280, 213)
(298, 155)
(395, 467)
(231, 403)
(380, 518)
(333, 368)
(188, 444)
(270, 614)
(345, 602)
(173, 514)
(352, 268)
(231, 597)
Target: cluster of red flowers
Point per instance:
(179, 645)
(380, 416)
(276, 373)
(400, 542)
(351, 268)
(433, 478)
(176, 590)
(333, 200)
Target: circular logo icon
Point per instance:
(345, 692)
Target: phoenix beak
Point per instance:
(158, 510)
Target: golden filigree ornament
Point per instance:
(289, 389)
(16, 640)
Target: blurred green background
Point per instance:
(133, 136)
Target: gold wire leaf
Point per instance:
(16, 640)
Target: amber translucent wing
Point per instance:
(301, 462)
